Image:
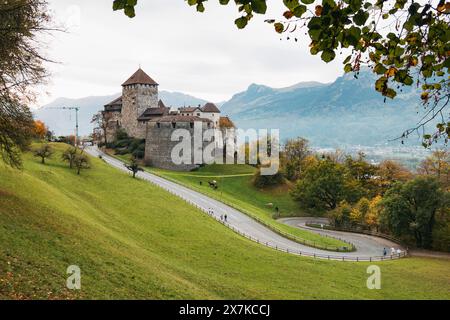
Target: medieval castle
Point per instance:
(142, 115)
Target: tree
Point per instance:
(360, 211)
(410, 209)
(21, 68)
(389, 172)
(101, 119)
(372, 216)
(69, 155)
(363, 172)
(263, 181)
(134, 167)
(403, 42)
(437, 165)
(40, 129)
(45, 151)
(16, 130)
(340, 216)
(294, 153)
(323, 186)
(81, 161)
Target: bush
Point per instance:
(262, 181)
(138, 154)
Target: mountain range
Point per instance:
(346, 112)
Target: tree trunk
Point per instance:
(42, 160)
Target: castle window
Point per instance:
(198, 114)
(158, 125)
(174, 125)
(192, 125)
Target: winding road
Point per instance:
(368, 249)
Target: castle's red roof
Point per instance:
(210, 107)
(139, 77)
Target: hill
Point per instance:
(133, 240)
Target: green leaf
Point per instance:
(379, 69)
(299, 11)
(380, 84)
(259, 6)
(118, 5)
(328, 55)
(361, 17)
(307, 1)
(348, 68)
(200, 7)
(291, 4)
(129, 11)
(390, 93)
(241, 22)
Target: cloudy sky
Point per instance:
(202, 54)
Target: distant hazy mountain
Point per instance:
(346, 112)
(62, 122)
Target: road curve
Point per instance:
(238, 221)
(365, 244)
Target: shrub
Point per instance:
(262, 181)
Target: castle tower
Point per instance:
(139, 93)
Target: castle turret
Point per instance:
(139, 93)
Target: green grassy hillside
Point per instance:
(133, 240)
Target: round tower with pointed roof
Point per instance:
(139, 93)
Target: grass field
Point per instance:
(133, 240)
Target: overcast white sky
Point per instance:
(202, 54)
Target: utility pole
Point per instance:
(76, 120)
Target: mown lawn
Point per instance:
(133, 240)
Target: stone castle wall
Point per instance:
(135, 100)
(114, 123)
(158, 145)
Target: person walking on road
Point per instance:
(384, 252)
(225, 217)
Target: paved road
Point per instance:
(237, 220)
(365, 244)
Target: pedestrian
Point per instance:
(225, 217)
(399, 251)
(221, 217)
(392, 251)
(384, 252)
